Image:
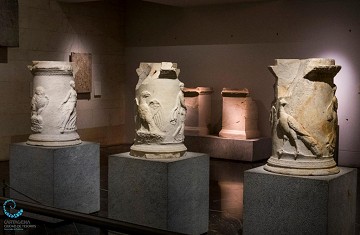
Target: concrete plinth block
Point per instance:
(233, 149)
(170, 194)
(283, 204)
(61, 177)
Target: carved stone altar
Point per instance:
(304, 117)
(160, 112)
(239, 115)
(198, 116)
(53, 106)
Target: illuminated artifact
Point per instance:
(303, 117)
(239, 115)
(160, 112)
(53, 106)
(198, 116)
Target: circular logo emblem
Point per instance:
(12, 205)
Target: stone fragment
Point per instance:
(83, 76)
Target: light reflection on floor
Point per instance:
(226, 195)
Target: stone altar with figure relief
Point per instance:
(53, 106)
(160, 112)
(303, 117)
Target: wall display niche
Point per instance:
(53, 105)
(198, 116)
(239, 115)
(160, 112)
(304, 117)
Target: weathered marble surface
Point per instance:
(198, 116)
(239, 115)
(304, 117)
(160, 112)
(53, 106)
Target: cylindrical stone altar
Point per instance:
(53, 105)
(239, 115)
(160, 112)
(304, 117)
(198, 116)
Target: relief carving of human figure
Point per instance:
(179, 114)
(332, 117)
(38, 103)
(68, 110)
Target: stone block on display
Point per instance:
(239, 115)
(283, 204)
(62, 177)
(232, 149)
(198, 115)
(170, 194)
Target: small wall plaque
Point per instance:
(84, 75)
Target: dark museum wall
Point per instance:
(51, 30)
(232, 46)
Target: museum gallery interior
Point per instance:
(180, 117)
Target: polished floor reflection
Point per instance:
(226, 197)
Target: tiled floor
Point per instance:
(226, 196)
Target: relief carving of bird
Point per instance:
(149, 114)
(293, 131)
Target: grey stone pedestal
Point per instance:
(61, 177)
(218, 147)
(281, 204)
(170, 194)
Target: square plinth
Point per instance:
(170, 194)
(281, 204)
(61, 177)
(233, 149)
